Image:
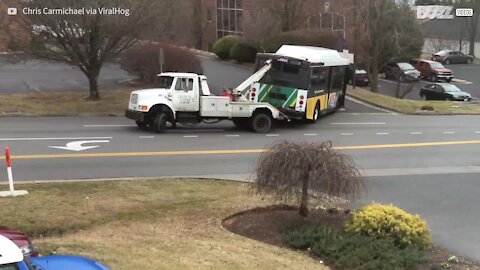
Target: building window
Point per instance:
(229, 18)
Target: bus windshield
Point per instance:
(287, 74)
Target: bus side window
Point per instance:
(319, 78)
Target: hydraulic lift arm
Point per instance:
(245, 85)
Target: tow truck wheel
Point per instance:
(141, 125)
(261, 122)
(160, 122)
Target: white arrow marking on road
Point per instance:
(77, 146)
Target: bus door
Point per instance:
(337, 87)
(319, 89)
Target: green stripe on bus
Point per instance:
(293, 103)
(266, 93)
(291, 98)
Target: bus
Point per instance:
(304, 82)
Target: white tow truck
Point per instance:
(186, 98)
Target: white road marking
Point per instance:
(146, 137)
(360, 123)
(77, 146)
(272, 135)
(232, 135)
(53, 139)
(347, 134)
(449, 132)
(190, 136)
(383, 133)
(416, 133)
(86, 126)
(310, 134)
(477, 132)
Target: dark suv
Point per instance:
(401, 72)
(432, 70)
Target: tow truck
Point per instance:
(186, 98)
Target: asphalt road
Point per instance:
(467, 73)
(425, 164)
(20, 74)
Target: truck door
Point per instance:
(186, 98)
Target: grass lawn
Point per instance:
(164, 224)
(113, 102)
(414, 106)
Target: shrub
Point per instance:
(390, 222)
(143, 60)
(242, 52)
(223, 46)
(349, 251)
(303, 37)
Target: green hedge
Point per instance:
(223, 46)
(242, 52)
(351, 251)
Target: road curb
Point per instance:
(399, 112)
(390, 110)
(244, 178)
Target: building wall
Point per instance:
(257, 19)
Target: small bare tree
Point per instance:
(294, 170)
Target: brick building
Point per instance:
(254, 19)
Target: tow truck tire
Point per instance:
(160, 122)
(261, 122)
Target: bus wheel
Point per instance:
(160, 122)
(261, 122)
(316, 114)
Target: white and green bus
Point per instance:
(304, 82)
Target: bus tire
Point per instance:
(316, 114)
(160, 122)
(261, 122)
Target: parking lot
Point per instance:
(466, 78)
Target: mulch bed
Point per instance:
(266, 224)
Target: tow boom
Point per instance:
(244, 86)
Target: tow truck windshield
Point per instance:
(164, 82)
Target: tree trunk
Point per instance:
(303, 211)
(471, 49)
(93, 81)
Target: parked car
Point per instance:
(21, 240)
(401, 71)
(11, 258)
(450, 57)
(432, 70)
(443, 91)
(361, 78)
